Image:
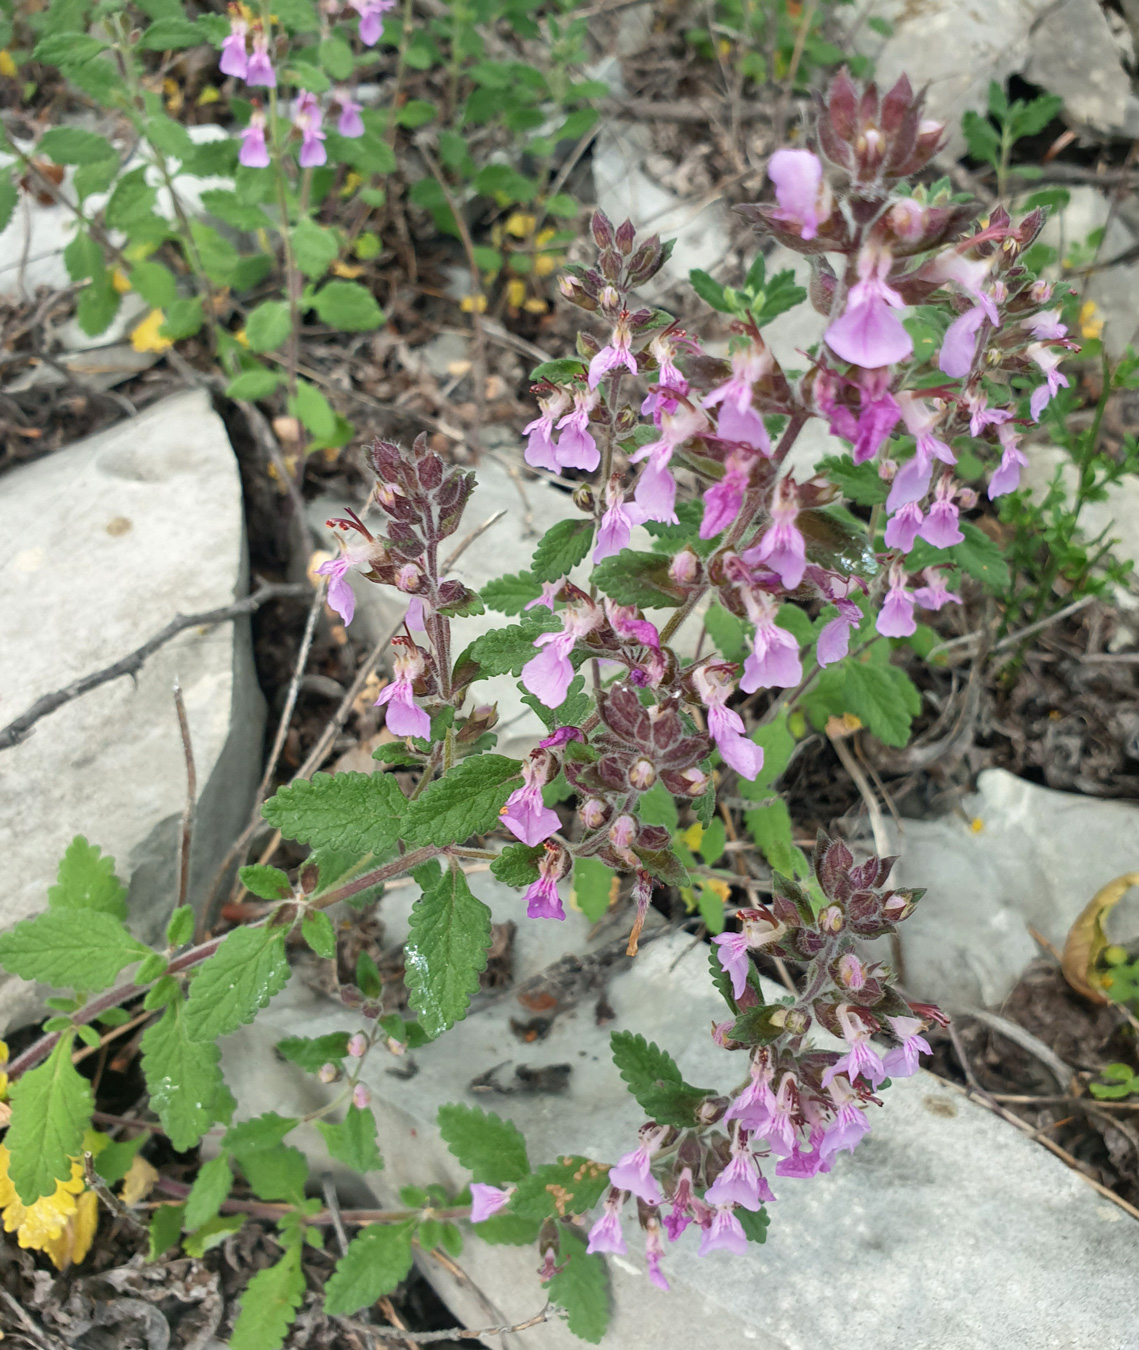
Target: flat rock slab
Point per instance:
(947, 1228)
(103, 544)
(1016, 855)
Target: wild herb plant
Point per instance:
(936, 341)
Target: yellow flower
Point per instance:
(40, 1223)
(692, 836)
(343, 269)
(7, 65)
(210, 94)
(535, 305)
(545, 263)
(976, 825)
(240, 337)
(515, 292)
(145, 338)
(519, 224)
(470, 303)
(74, 1241)
(120, 281)
(1090, 326)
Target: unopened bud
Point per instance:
(357, 1045)
(642, 775)
(623, 831)
(684, 568)
(328, 1073)
(408, 577)
(361, 1097)
(609, 298)
(624, 237)
(697, 780)
(796, 1021)
(851, 972)
(584, 499)
(831, 919)
(593, 812)
(602, 229)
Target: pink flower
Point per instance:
(234, 60)
(1048, 360)
(615, 354)
(525, 815)
(912, 480)
(780, 1129)
(371, 14)
(361, 1097)
(617, 523)
(934, 593)
(861, 1058)
(654, 1252)
(542, 898)
(1046, 327)
(782, 548)
(849, 1124)
(774, 662)
(606, 1235)
(260, 70)
(340, 594)
(959, 345)
(350, 124)
(404, 716)
(724, 1233)
(307, 117)
(834, 640)
(738, 419)
(664, 347)
(877, 417)
(804, 198)
(896, 617)
(941, 527)
(487, 1200)
(902, 1061)
(714, 684)
(867, 333)
(633, 1172)
(655, 492)
(1007, 476)
(740, 1183)
(683, 1203)
(723, 500)
(734, 959)
(254, 153)
(982, 416)
(547, 597)
(540, 448)
(753, 1107)
(576, 448)
(547, 676)
(968, 273)
(802, 1163)
(902, 528)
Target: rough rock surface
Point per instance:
(946, 1228)
(103, 543)
(1017, 854)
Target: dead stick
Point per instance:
(191, 797)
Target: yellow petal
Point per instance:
(519, 224)
(544, 264)
(139, 1181)
(7, 65)
(239, 336)
(74, 1242)
(7, 1190)
(470, 303)
(145, 337)
(535, 305)
(349, 270)
(692, 836)
(120, 281)
(515, 292)
(210, 94)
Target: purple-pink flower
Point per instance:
(254, 154)
(541, 449)
(723, 500)
(542, 898)
(487, 1200)
(902, 527)
(868, 333)
(259, 72)
(734, 959)
(959, 345)
(782, 547)
(655, 492)
(404, 717)
(234, 58)
(633, 1172)
(774, 661)
(861, 1059)
(307, 117)
(834, 640)
(615, 353)
(1048, 360)
(547, 676)
(934, 593)
(350, 124)
(896, 617)
(576, 448)
(803, 196)
(753, 1107)
(725, 1233)
(714, 685)
(912, 480)
(849, 1124)
(617, 523)
(941, 527)
(525, 815)
(606, 1235)
(740, 1183)
(902, 1061)
(1007, 476)
(371, 14)
(654, 1252)
(738, 419)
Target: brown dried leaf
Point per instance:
(1087, 940)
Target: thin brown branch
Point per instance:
(131, 664)
(109, 1199)
(191, 798)
(451, 1334)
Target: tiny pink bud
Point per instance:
(642, 775)
(831, 919)
(684, 568)
(357, 1045)
(328, 1073)
(361, 1097)
(593, 812)
(408, 577)
(851, 972)
(623, 831)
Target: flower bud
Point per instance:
(851, 973)
(594, 811)
(622, 832)
(408, 577)
(642, 775)
(584, 499)
(609, 298)
(328, 1073)
(357, 1045)
(684, 568)
(361, 1097)
(624, 237)
(831, 919)
(602, 229)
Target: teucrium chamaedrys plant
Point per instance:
(808, 594)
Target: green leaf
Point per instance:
(981, 138)
(448, 938)
(563, 206)
(229, 207)
(8, 200)
(269, 1304)
(67, 953)
(212, 1234)
(511, 594)
(654, 1079)
(640, 579)
(883, 698)
(348, 306)
(491, 1149)
(465, 801)
(183, 1077)
(155, 283)
(754, 1224)
(211, 1187)
(234, 984)
(858, 482)
(183, 319)
(770, 827)
(573, 1185)
(313, 1052)
(252, 385)
(268, 326)
(981, 557)
(313, 410)
(778, 746)
(727, 632)
(508, 649)
(581, 1287)
(268, 883)
(51, 1111)
(517, 864)
(561, 549)
(259, 1134)
(165, 1230)
(377, 1259)
(276, 1173)
(60, 49)
(317, 931)
(86, 880)
(98, 305)
(780, 295)
(561, 371)
(658, 807)
(571, 713)
(416, 112)
(336, 58)
(70, 145)
(709, 290)
(355, 812)
(593, 887)
(314, 248)
(353, 1141)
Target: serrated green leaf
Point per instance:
(58, 950)
(269, 1304)
(505, 650)
(351, 812)
(275, 1174)
(770, 827)
(314, 247)
(165, 1230)
(336, 58)
(51, 1111)
(655, 1080)
(70, 145)
(353, 1140)
(517, 864)
(86, 880)
(230, 208)
(561, 371)
(448, 938)
(377, 1259)
(581, 1287)
(573, 1185)
(170, 34)
(883, 698)
(859, 483)
(312, 1052)
(183, 1077)
(727, 632)
(61, 49)
(490, 1148)
(348, 306)
(465, 801)
(211, 1187)
(511, 594)
(754, 1223)
(180, 928)
(640, 579)
(593, 887)
(258, 1134)
(317, 931)
(212, 1234)
(780, 294)
(561, 548)
(269, 883)
(509, 1230)
(709, 290)
(9, 198)
(268, 326)
(234, 984)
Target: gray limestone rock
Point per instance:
(103, 543)
(946, 1228)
